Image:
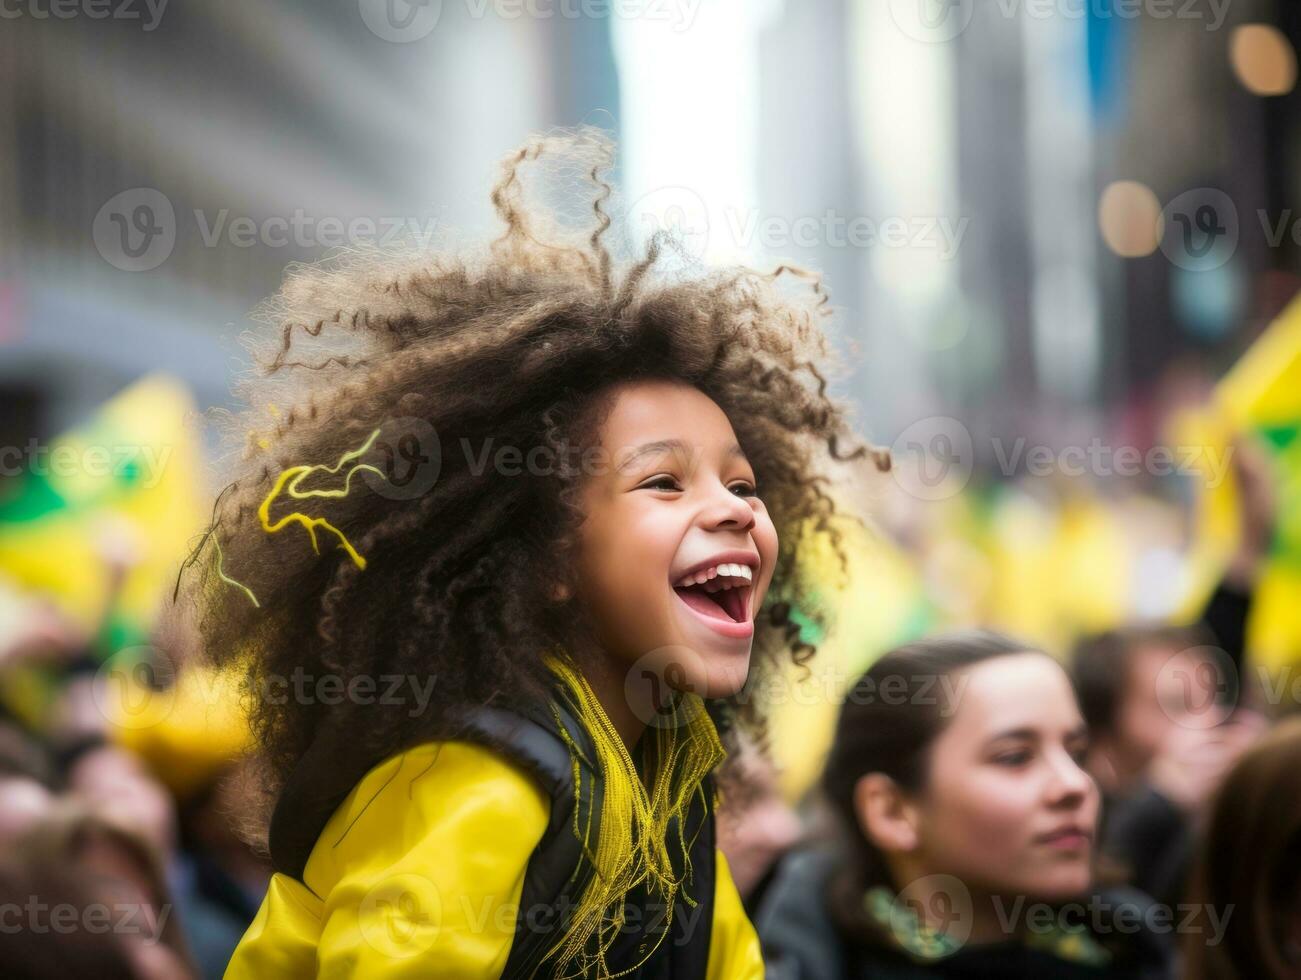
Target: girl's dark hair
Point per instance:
(63, 839)
(453, 357)
(890, 718)
(36, 954)
(1249, 867)
(1101, 665)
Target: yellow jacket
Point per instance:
(419, 874)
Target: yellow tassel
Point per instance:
(221, 574)
(289, 481)
(633, 847)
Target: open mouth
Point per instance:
(720, 592)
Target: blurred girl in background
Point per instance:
(1248, 872)
(969, 825)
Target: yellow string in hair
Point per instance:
(221, 574)
(633, 847)
(289, 481)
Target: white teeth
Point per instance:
(724, 570)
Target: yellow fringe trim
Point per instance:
(633, 847)
(289, 481)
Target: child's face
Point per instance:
(676, 549)
(1008, 807)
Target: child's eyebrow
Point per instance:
(1029, 734)
(1024, 733)
(661, 446)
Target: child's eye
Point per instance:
(744, 489)
(1012, 758)
(660, 483)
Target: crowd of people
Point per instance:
(987, 808)
(1130, 809)
(107, 867)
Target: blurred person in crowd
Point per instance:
(27, 781)
(1249, 862)
(756, 825)
(1166, 710)
(968, 824)
(24, 803)
(1163, 737)
(1138, 688)
(115, 783)
(30, 949)
(215, 877)
(123, 875)
(220, 879)
(33, 630)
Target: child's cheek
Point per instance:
(765, 535)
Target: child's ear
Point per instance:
(885, 814)
(560, 592)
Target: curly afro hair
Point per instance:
(512, 345)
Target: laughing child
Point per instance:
(500, 561)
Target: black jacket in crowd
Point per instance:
(801, 942)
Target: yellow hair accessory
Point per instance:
(221, 574)
(289, 481)
(633, 847)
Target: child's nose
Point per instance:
(727, 510)
(1069, 783)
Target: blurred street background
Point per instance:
(1062, 239)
